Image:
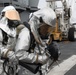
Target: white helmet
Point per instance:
(11, 13)
(48, 16)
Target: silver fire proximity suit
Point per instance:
(7, 35)
(45, 16)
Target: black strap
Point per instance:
(74, 24)
(4, 65)
(32, 43)
(5, 37)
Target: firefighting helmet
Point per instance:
(10, 13)
(47, 15)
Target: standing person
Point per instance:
(10, 19)
(73, 13)
(41, 24)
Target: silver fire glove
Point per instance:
(12, 57)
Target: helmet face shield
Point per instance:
(45, 29)
(12, 15)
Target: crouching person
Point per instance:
(31, 47)
(9, 21)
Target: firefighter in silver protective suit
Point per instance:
(42, 23)
(8, 22)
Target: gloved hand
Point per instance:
(53, 49)
(12, 57)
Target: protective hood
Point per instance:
(48, 16)
(6, 29)
(8, 8)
